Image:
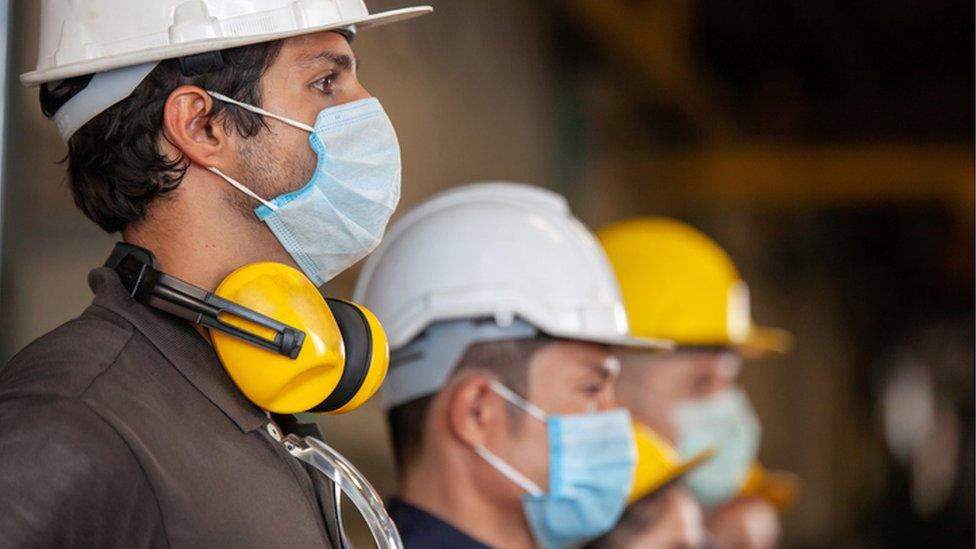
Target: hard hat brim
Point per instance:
(764, 341)
(677, 474)
(631, 342)
(780, 488)
(37, 77)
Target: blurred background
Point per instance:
(828, 146)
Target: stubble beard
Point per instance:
(268, 172)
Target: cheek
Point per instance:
(656, 413)
(291, 160)
(298, 161)
(658, 396)
(607, 398)
(721, 383)
(659, 533)
(661, 423)
(530, 447)
(275, 163)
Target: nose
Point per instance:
(607, 399)
(359, 92)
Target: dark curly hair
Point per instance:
(115, 167)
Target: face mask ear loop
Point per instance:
(240, 186)
(513, 398)
(508, 471)
(262, 112)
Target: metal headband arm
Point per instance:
(137, 270)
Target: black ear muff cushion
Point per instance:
(358, 341)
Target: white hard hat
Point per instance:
(90, 36)
(495, 250)
(121, 41)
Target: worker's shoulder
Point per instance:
(47, 424)
(31, 421)
(62, 462)
(64, 362)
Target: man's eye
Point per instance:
(593, 389)
(324, 84)
(701, 384)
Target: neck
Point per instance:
(446, 488)
(192, 260)
(198, 237)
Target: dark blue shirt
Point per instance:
(422, 530)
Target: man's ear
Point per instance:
(189, 126)
(474, 410)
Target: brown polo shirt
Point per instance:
(122, 429)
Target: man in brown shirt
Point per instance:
(121, 427)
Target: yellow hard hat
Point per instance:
(678, 284)
(780, 488)
(658, 463)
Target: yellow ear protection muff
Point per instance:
(286, 347)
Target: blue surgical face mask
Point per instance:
(591, 467)
(339, 216)
(727, 423)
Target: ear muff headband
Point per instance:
(335, 365)
(136, 268)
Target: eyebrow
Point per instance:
(341, 60)
(601, 370)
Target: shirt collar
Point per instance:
(182, 346)
(419, 528)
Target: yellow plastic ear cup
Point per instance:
(374, 366)
(781, 488)
(658, 463)
(272, 381)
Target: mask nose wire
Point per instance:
(262, 112)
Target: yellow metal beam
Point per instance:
(802, 175)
